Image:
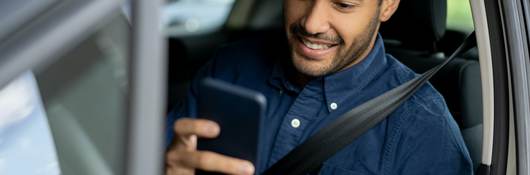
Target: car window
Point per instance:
(193, 17)
(69, 116)
(459, 16)
(85, 100)
(26, 143)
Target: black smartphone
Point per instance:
(239, 112)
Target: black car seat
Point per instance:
(413, 35)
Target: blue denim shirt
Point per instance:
(420, 137)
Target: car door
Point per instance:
(502, 30)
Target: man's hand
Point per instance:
(183, 157)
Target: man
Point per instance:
(335, 61)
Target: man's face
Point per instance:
(326, 36)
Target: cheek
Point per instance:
(294, 10)
(350, 27)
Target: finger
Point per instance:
(186, 143)
(199, 127)
(210, 161)
(179, 171)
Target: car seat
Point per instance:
(414, 36)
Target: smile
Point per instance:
(317, 45)
(315, 49)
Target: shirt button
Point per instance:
(295, 123)
(333, 106)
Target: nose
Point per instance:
(316, 19)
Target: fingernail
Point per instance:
(247, 168)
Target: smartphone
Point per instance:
(239, 112)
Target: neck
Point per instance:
(300, 79)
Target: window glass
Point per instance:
(84, 94)
(26, 143)
(69, 116)
(192, 17)
(459, 15)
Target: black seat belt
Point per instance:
(309, 155)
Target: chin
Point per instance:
(311, 68)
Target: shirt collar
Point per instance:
(279, 77)
(351, 80)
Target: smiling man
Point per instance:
(328, 36)
(331, 61)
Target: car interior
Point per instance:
(417, 35)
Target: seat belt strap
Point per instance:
(308, 156)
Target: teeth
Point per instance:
(315, 46)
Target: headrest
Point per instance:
(417, 24)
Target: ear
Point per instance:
(388, 8)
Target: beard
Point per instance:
(343, 58)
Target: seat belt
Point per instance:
(308, 156)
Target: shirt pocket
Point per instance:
(330, 169)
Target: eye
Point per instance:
(344, 5)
